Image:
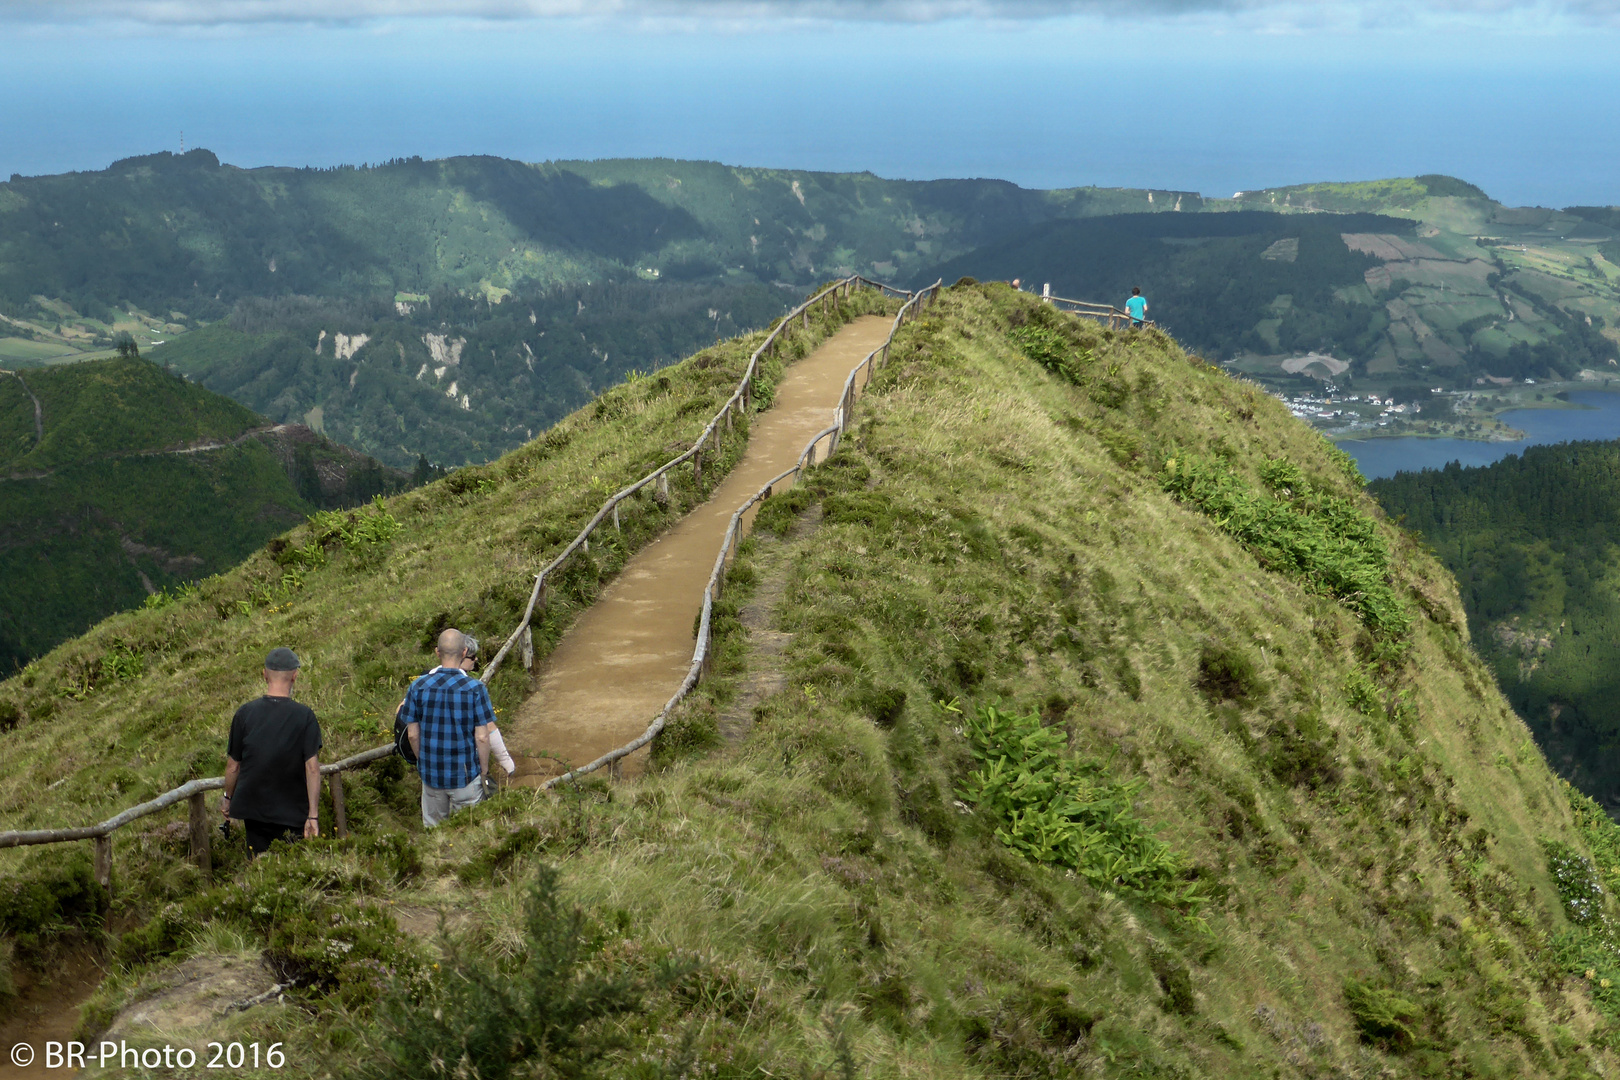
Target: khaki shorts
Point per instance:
(440, 803)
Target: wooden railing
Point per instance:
(703, 652)
(195, 791)
(1107, 313)
(740, 400)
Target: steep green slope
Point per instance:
(136, 481)
(1119, 735)
(1531, 540)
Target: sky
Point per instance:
(1212, 96)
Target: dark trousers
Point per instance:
(261, 834)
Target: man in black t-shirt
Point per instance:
(272, 764)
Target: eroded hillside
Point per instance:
(1113, 732)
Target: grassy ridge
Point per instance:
(107, 407)
(1358, 884)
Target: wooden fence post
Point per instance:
(527, 642)
(340, 815)
(103, 864)
(697, 468)
(202, 853)
(663, 484)
(807, 318)
(616, 518)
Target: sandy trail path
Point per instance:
(627, 655)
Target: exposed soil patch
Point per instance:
(46, 1011)
(193, 997)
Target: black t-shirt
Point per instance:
(271, 738)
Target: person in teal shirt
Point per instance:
(1137, 306)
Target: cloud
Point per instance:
(1258, 14)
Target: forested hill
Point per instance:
(1374, 284)
(1211, 278)
(467, 303)
(1533, 543)
(135, 482)
(187, 233)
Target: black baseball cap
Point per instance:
(281, 659)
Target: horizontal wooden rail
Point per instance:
(703, 652)
(195, 792)
(1101, 312)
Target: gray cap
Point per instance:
(281, 659)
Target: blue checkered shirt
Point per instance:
(448, 706)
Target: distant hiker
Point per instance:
(272, 762)
(1017, 284)
(497, 745)
(1137, 306)
(447, 719)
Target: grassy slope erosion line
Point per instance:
(1363, 826)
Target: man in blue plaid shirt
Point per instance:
(447, 716)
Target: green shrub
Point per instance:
(1053, 350)
(365, 533)
(1302, 752)
(1577, 882)
(1382, 1017)
(543, 1020)
(1055, 808)
(1227, 673)
(1321, 540)
(58, 890)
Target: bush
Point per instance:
(1382, 1016)
(59, 890)
(1577, 882)
(542, 1020)
(1317, 538)
(1227, 673)
(1055, 808)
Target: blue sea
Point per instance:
(1599, 419)
(1045, 103)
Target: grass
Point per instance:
(1366, 829)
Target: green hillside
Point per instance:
(558, 278)
(1531, 540)
(1445, 287)
(137, 481)
(454, 377)
(1120, 735)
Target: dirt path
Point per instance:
(627, 655)
(46, 1013)
(39, 410)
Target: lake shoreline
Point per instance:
(1586, 415)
